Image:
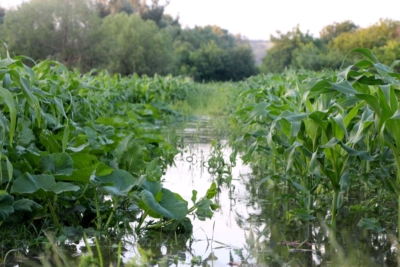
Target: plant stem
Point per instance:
(83, 191)
(334, 210)
(96, 201)
(112, 213)
(158, 225)
(99, 252)
(142, 220)
(53, 214)
(397, 160)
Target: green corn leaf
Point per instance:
(344, 87)
(32, 100)
(366, 53)
(299, 214)
(370, 224)
(9, 100)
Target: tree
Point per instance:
(330, 32)
(311, 57)
(2, 14)
(67, 31)
(211, 53)
(376, 35)
(136, 46)
(107, 7)
(280, 56)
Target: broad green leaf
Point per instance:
(26, 205)
(57, 164)
(153, 171)
(119, 182)
(40, 185)
(25, 135)
(83, 160)
(153, 186)
(6, 205)
(170, 207)
(48, 140)
(203, 210)
(130, 156)
(83, 175)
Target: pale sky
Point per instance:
(258, 19)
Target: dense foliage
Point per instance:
(124, 37)
(302, 51)
(86, 151)
(326, 136)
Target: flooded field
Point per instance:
(250, 228)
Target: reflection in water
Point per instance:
(251, 227)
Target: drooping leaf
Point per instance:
(57, 164)
(42, 185)
(194, 196)
(119, 182)
(9, 100)
(83, 175)
(370, 224)
(130, 156)
(6, 205)
(153, 171)
(170, 207)
(212, 191)
(153, 186)
(203, 210)
(26, 205)
(344, 87)
(299, 214)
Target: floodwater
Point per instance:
(251, 227)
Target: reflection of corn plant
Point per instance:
(218, 166)
(324, 131)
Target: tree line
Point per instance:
(126, 37)
(131, 36)
(296, 49)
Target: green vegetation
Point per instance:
(81, 119)
(85, 151)
(124, 37)
(299, 50)
(326, 136)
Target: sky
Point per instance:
(258, 19)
